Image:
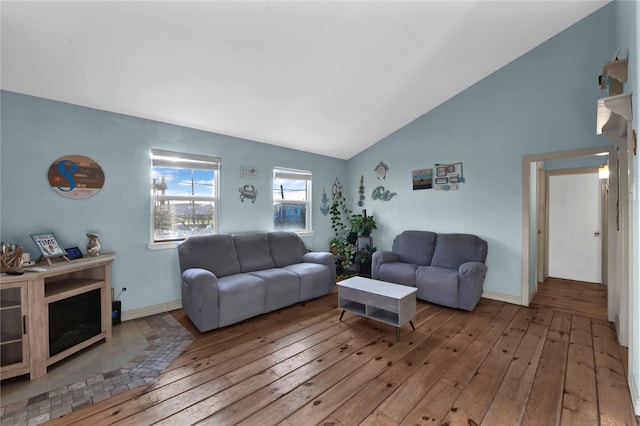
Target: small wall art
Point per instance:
(76, 176)
(382, 194)
(361, 192)
(381, 170)
(248, 171)
(248, 192)
(422, 179)
(448, 176)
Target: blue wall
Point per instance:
(35, 132)
(544, 101)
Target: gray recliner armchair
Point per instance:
(447, 269)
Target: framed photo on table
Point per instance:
(49, 247)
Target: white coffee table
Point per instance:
(390, 303)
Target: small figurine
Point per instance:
(93, 246)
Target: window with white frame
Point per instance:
(184, 195)
(291, 200)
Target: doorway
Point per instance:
(534, 234)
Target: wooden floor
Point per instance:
(556, 362)
(574, 297)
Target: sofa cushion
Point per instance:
(437, 285)
(415, 247)
(287, 248)
(452, 250)
(253, 251)
(282, 288)
(315, 279)
(240, 296)
(399, 273)
(215, 253)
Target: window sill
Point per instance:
(305, 233)
(164, 245)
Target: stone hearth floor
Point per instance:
(166, 337)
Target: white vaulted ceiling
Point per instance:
(327, 77)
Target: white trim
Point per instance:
(163, 245)
(151, 310)
(502, 297)
(635, 398)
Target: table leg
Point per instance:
(341, 315)
(398, 333)
(412, 326)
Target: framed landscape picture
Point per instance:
(48, 245)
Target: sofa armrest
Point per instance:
(380, 257)
(200, 297)
(324, 258)
(470, 281)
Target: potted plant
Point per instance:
(340, 246)
(364, 259)
(363, 224)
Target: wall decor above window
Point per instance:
(76, 176)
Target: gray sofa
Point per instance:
(447, 269)
(227, 278)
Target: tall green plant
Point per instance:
(341, 225)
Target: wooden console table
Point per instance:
(24, 310)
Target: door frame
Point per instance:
(530, 183)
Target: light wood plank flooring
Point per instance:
(501, 364)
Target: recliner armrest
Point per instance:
(195, 278)
(472, 269)
(380, 257)
(200, 297)
(470, 283)
(323, 258)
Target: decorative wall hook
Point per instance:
(325, 202)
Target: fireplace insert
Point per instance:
(74, 320)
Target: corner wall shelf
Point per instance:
(613, 114)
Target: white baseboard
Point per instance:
(501, 297)
(635, 397)
(151, 310)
